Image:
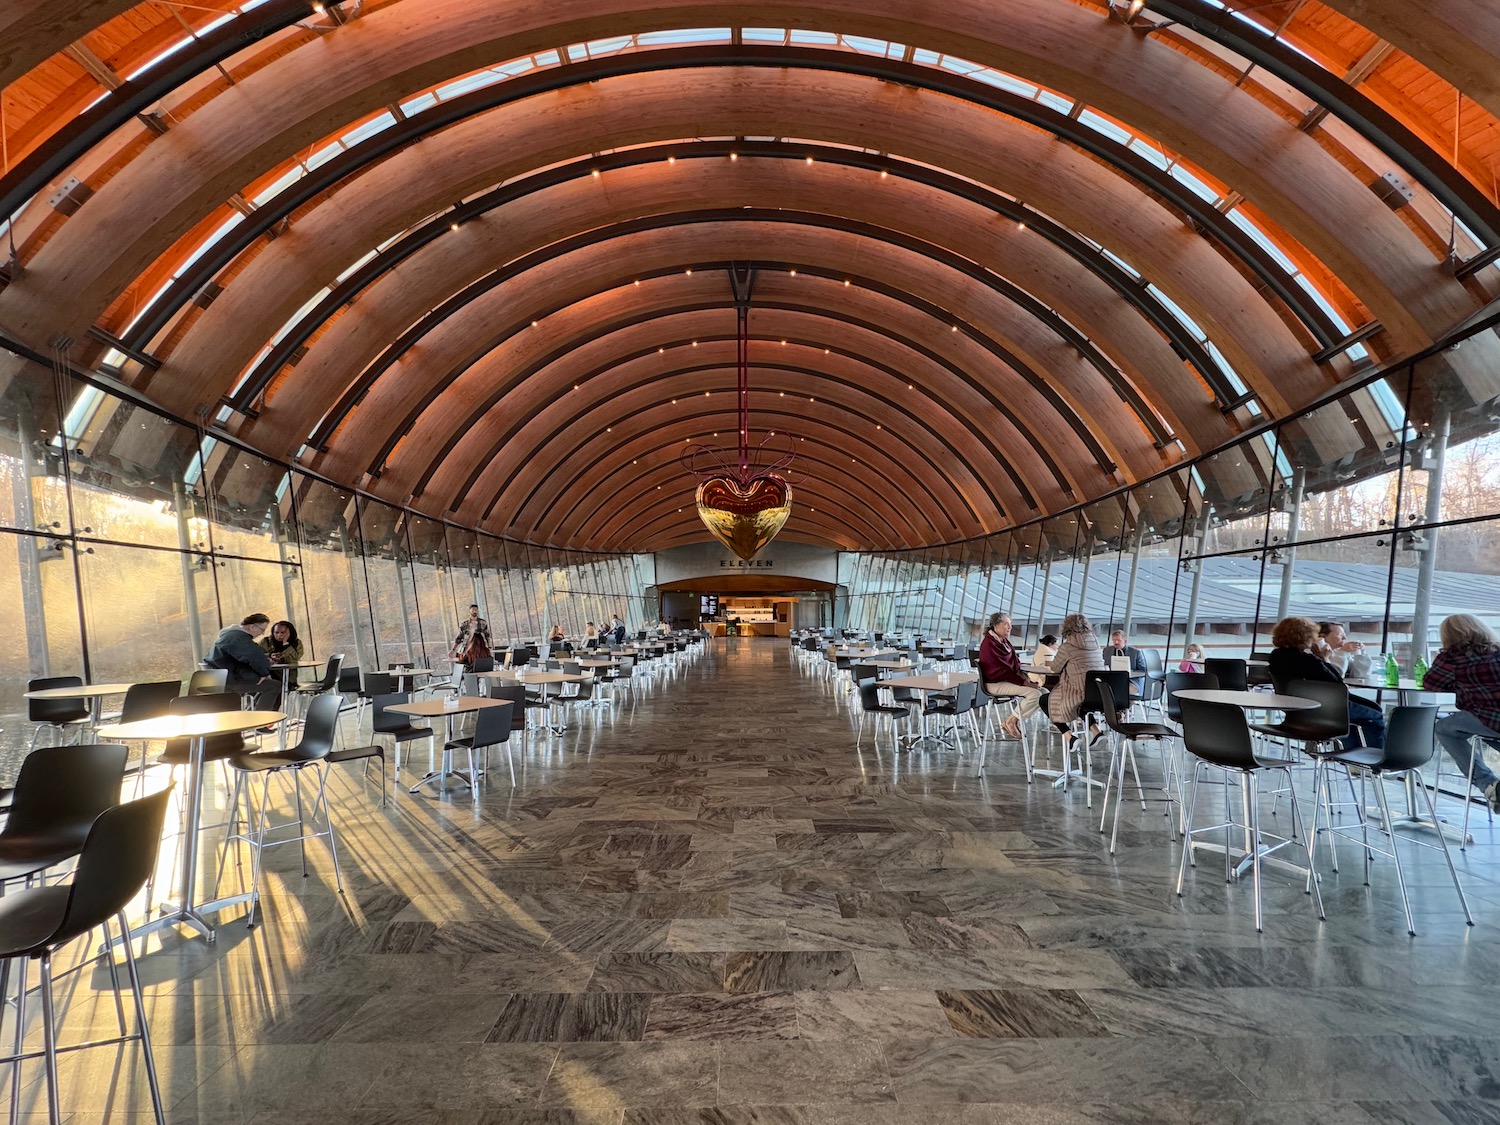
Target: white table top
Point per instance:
(431, 708)
(933, 681)
(889, 664)
(1251, 700)
(410, 672)
(509, 676)
(598, 663)
(1038, 670)
(192, 726)
(87, 691)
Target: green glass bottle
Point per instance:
(1392, 670)
(1419, 671)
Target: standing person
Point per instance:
(235, 651)
(663, 628)
(1337, 650)
(1078, 655)
(1135, 658)
(618, 628)
(284, 648)
(1000, 673)
(1469, 666)
(473, 638)
(1294, 657)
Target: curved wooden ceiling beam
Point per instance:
(258, 302)
(577, 277)
(32, 31)
(277, 109)
(682, 413)
(1457, 39)
(926, 278)
(451, 427)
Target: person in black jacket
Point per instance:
(237, 651)
(1135, 658)
(1293, 659)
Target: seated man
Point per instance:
(238, 652)
(1000, 672)
(1136, 659)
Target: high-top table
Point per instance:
(196, 729)
(544, 680)
(93, 693)
(450, 709)
(929, 682)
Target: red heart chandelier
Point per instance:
(744, 507)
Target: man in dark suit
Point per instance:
(1137, 668)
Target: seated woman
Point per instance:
(1469, 666)
(1078, 655)
(1046, 649)
(284, 648)
(1192, 659)
(1294, 658)
(1000, 672)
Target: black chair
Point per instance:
(1318, 729)
(59, 793)
(318, 737)
(208, 681)
(871, 707)
(482, 664)
(516, 695)
(1232, 672)
(115, 857)
(1258, 674)
(1408, 747)
(396, 726)
(1122, 751)
(216, 747)
(1217, 736)
(330, 681)
(958, 705)
(492, 727)
(1185, 681)
(61, 715)
(1156, 674)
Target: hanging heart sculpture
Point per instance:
(744, 515)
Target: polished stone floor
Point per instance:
(705, 905)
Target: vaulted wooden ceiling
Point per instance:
(474, 256)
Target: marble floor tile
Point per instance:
(1020, 1013)
(762, 926)
(803, 1072)
(769, 971)
(570, 1017)
(590, 1075)
(870, 1016)
(658, 972)
(753, 1015)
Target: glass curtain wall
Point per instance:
(1378, 508)
(129, 539)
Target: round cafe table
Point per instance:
(93, 693)
(1249, 700)
(196, 729)
(450, 709)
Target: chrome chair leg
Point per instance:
(1390, 828)
(1447, 854)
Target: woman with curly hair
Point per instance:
(1078, 655)
(1294, 658)
(1469, 666)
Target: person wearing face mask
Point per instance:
(1000, 673)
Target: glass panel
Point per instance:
(247, 497)
(333, 586)
(1236, 489)
(32, 497)
(386, 566)
(154, 640)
